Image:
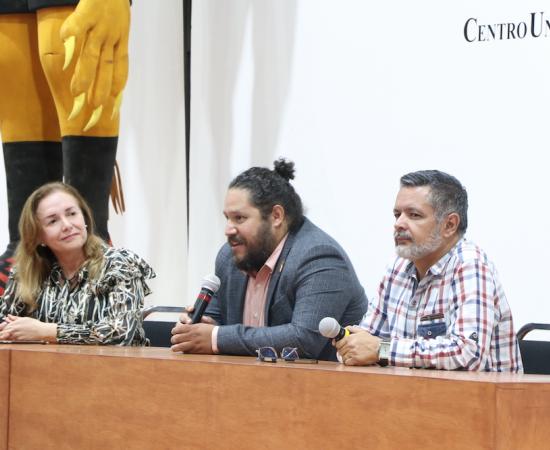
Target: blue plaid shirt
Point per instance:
(456, 317)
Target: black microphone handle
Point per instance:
(341, 334)
(199, 311)
(200, 304)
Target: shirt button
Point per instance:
(413, 303)
(255, 315)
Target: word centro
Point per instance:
(537, 27)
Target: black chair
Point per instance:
(158, 331)
(534, 354)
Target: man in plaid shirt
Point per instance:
(441, 304)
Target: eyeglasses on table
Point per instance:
(289, 354)
(269, 354)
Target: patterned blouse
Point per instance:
(103, 311)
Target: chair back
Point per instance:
(159, 331)
(534, 354)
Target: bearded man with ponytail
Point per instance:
(280, 275)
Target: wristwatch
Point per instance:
(384, 353)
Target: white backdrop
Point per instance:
(358, 93)
(152, 149)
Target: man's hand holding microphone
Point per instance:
(356, 346)
(193, 332)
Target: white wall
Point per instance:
(152, 149)
(358, 93)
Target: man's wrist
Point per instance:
(214, 338)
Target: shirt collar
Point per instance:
(269, 265)
(437, 268)
(57, 276)
(272, 260)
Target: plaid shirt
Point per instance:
(456, 317)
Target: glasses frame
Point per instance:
(269, 354)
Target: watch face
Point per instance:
(384, 351)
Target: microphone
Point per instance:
(210, 285)
(330, 328)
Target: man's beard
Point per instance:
(257, 251)
(415, 251)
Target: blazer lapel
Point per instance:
(238, 292)
(279, 267)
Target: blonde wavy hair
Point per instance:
(33, 262)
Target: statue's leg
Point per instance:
(88, 157)
(28, 123)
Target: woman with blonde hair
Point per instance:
(67, 286)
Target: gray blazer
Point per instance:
(313, 278)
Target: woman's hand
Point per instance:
(27, 329)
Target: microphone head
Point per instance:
(329, 327)
(211, 282)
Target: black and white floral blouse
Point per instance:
(105, 311)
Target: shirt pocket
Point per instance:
(431, 330)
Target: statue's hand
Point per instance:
(100, 30)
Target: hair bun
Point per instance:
(284, 168)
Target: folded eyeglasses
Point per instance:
(269, 354)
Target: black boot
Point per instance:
(88, 166)
(28, 166)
